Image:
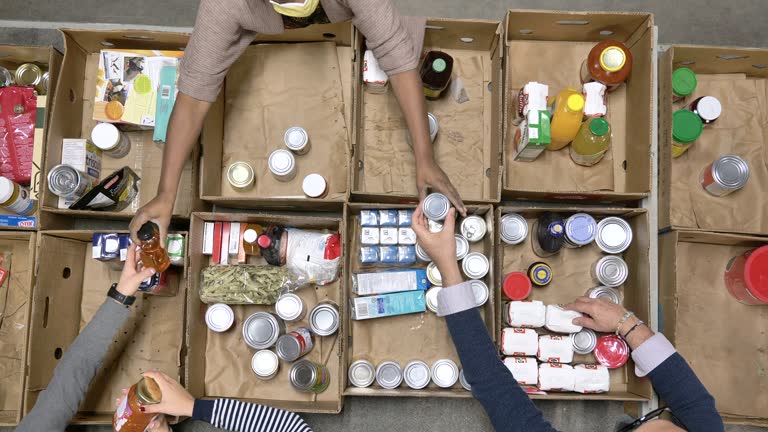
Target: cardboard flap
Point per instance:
(574, 26)
(11, 56)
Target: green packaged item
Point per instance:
(246, 284)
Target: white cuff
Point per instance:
(455, 299)
(652, 353)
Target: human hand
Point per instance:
(440, 246)
(159, 211)
(158, 424)
(601, 315)
(176, 400)
(132, 274)
(430, 174)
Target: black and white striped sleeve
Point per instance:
(237, 416)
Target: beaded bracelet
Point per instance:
(638, 324)
(623, 319)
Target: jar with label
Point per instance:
(15, 198)
(310, 377)
(548, 231)
(591, 142)
(686, 128)
(708, 108)
(151, 250)
(540, 274)
(282, 165)
(297, 140)
(241, 176)
(250, 235)
(435, 71)
(111, 140)
(609, 62)
(725, 175)
(683, 84)
(129, 417)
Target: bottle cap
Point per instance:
(756, 273)
(599, 126)
(612, 59)
(517, 286)
(147, 231)
(439, 65)
(575, 102)
(683, 81)
(686, 126)
(264, 241)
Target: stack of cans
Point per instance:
(417, 374)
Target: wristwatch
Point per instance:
(120, 298)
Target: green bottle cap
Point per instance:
(439, 65)
(683, 82)
(686, 126)
(599, 126)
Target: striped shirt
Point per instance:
(237, 416)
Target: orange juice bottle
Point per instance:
(567, 112)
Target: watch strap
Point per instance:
(118, 297)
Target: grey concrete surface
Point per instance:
(715, 22)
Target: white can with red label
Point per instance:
(726, 174)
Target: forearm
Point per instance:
(237, 416)
(410, 95)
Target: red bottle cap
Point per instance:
(517, 286)
(756, 273)
(264, 241)
(611, 351)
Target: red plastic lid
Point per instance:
(517, 286)
(264, 241)
(611, 351)
(756, 273)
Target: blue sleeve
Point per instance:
(506, 403)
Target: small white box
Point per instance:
(524, 369)
(208, 238)
(406, 236)
(556, 377)
(234, 238)
(519, 342)
(369, 236)
(388, 236)
(555, 349)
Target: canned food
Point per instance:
(610, 271)
(421, 254)
(431, 298)
(434, 127)
(475, 265)
(290, 307)
(580, 230)
(45, 83)
(434, 226)
(310, 377)
(517, 286)
(315, 186)
(584, 342)
(297, 140)
(219, 317)
(324, 319)
(481, 292)
(240, 175)
(445, 373)
(614, 235)
(261, 330)
(746, 276)
(6, 78)
(436, 206)
(540, 274)
(295, 344)
(463, 381)
(462, 246)
(174, 244)
(28, 74)
(67, 182)
(513, 229)
(726, 174)
(361, 373)
(611, 351)
(265, 364)
(110, 140)
(686, 128)
(608, 293)
(282, 164)
(708, 108)
(389, 375)
(473, 228)
(433, 275)
(416, 374)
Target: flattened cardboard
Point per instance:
(549, 47)
(571, 278)
(741, 130)
(721, 339)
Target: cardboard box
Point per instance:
(468, 143)
(737, 77)
(219, 364)
(421, 336)
(549, 47)
(721, 339)
(571, 278)
(302, 77)
(72, 117)
(13, 337)
(11, 57)
(68, 292)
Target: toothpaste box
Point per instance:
(390, 281)
(18, 221)
(388, 305)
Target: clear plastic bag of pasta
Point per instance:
(247, 284)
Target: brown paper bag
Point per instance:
(14, 308)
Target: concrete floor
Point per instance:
(711, 22)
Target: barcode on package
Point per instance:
(361, 310)
(165, 92)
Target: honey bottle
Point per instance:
(151, 250)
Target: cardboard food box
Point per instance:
(737, 77)
(301, 78)
(15, 308)
(219, 364)
(571, 278)
(468, 142)
(72, 117)
(70, 289)
(11, 57)
(721, 339)
(420, 336)
(549, 47)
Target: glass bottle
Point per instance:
(591, 142)
(128, 416)
(272, 243)
(609, 62)
(151, 249)
(436, 70)
(250, 236)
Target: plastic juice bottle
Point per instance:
(592, 141)
(567, 113)
(435, 73)
(152, 253)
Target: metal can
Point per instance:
(445, 373)
(297, 140)
(473, 228)
(290, 307)
(540, 273)
(614, 235)
(361, 373)
(6, 78)
(28, 74)
(463, 381)
(481, 292)
(324, 319)
(580, 230)
(726, 174)
(433, 275)
(389, 375)
(282, 164)
(513, 229)
(421, 254)
(219, 317)
(434, 226)
(608, 293)
(416, 374)
(436, 206)
(174, 244)
(434, 127)
(584, 342)
(111, 140)
(610, 271)
(315, 186)
(67, 182)
(240, 175)
(310, 377)
(430, 298)
(265, 364)
(462, 246)
(475, 265)
(708, 108)
(45, 83)
(261, 330)
(295, 344)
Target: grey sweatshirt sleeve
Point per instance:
(59, 402)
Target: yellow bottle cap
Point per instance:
(612, 59)
(575, 102)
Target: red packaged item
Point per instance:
(18, 113)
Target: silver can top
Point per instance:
(433, 275)
(462, 246)
(730, 172)
(416, 374)
(264, 363)
(6, 79)
(445, 373)
(463, 381)
(475, 265)
(261, 330)
(361, 373)
(584, 342)
(45, 82)
(281, 162)
(28, 74)
(296, 138)
(289, 307)
(288, 347)
(303, 375)
(611, 271)
(481, 292)
(219, 317)
(389, 375)
(473, 228)
(580, 229)
(431, 298)
(324, 319)
(436, 206)
(614, 235)
(514, 228)
(64, 180)
(434, 126)
(421, 254)
(240, 174)
(608, 293)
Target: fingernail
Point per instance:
(142, 409)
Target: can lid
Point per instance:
(422, 254)
(147, 231)
(105, 136)
(361, 373)
(517, 286)
(473, 228)
(28, 74)
(303, 375)
(288, 347)
(611, 270)
(250, 235)
(445, 373)
(756, 273)
(581, 228)
(264, 363)
(433, 275)
(463, 381)
(514, 228)
(612, 59)
(324, 320)
(709, 108)
(462, 246)
(434, 125)
(611, 351)
(148, 392)
(604, 292)
(314, 185)
(295, 138)
(416, 374)
(683, 81)
(219, 317)
(6, 189)
(264, 241)
(281, 162)
(389, 375)
(436, 206)
(481, 292)
(575, 102)
(599, 126)
(289, 307)
(614, 235)
(730, 171)
(475, 265)
(584, 342)
(431, 298)
(439, 65)
(686, 126)
(541, 274)
(260, 330)
(240, 174)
